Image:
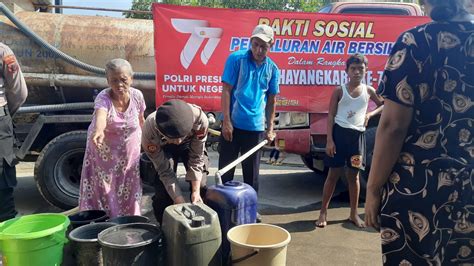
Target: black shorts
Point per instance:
(350, 149)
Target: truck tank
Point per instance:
(92, 40)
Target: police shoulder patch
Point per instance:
(11, 63)
(151, 148)
(201, 133)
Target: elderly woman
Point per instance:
(422, 172)
(110, 178)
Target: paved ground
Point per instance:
(289, 197)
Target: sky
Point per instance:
(113, 4)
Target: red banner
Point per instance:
(310, 49)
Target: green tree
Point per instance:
(140, 5)
(288, 5)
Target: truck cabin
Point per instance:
(380, 8)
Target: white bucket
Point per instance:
(258, 244)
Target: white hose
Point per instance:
(239, 160)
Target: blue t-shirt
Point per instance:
(251, 85)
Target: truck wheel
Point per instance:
(308, 162)
(58, 169)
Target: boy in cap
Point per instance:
(250, 86)
(176, 131)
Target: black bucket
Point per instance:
(86, 217)
(130, 219)
(132, 244)
(85, 247)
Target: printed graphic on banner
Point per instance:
(200, 31)
(310, 49)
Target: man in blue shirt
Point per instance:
(248, 101)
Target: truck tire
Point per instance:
(58, 169)
(308, 162)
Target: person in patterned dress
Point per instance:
(420, 185)
(110, 178)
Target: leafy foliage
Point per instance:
(288, 5)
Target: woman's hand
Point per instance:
(100, 124)
(98, 138)
(372, 206)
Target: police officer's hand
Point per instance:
(270, 135)
(227, 130)
(330, 148)
(196, 197)
(179, 200)
(98, 138)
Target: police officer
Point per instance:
(13, 94)
(176, 131)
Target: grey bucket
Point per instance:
(85, 247)
(86, 217)
(134, 244)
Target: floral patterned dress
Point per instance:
(427, 210)
(110, 178)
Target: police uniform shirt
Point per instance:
(13, 93)
(153, 142)
(13, 90)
